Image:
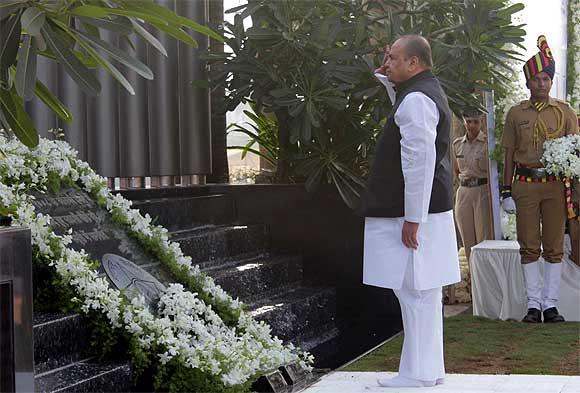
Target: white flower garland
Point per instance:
(561, 156)
(187, 329)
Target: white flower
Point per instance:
(561, 156)
(186, 329)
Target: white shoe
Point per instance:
(440, 381)
(404, 382)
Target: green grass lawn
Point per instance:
(475, 345)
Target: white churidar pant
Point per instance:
(422, 354)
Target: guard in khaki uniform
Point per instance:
(574, 222)
(472, 210)
(537, 195)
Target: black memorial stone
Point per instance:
(93, 229)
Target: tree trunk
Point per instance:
(282, 165)
(220, 169)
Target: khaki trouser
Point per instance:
(472, 216)
(545, 202)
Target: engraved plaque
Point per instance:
(132, 279)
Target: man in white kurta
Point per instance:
(416, 264)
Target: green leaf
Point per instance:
(119, 55)
(200, 84)
(102, 12)
(236, 9)
(18, 120)
(40, 42)
(110, 68)
(176, 32)
(73, 66)
(52, 102)
(26, 68)
(32, 20)
(8, 7)
(118, 24)
(171, 17)
(9, 40)
(150, 38)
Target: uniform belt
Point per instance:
(473, 181)
(534, 174)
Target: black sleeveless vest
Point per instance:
(384, 195)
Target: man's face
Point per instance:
(540, 85)
(472, 124)
(399, 66)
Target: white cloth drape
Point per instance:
(498, 290)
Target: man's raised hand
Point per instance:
(383, 68)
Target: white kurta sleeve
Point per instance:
(388, 85)
(417, 118)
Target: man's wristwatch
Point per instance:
(506, 192)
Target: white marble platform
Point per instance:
(366, 382)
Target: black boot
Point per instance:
(533, 316)
(552, 315)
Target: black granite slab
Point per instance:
(294, 312)
(218, 243)
(176, 213)
(87, 376)
(253, 279)
(59, 340)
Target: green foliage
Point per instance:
(67, 31)
(262, 131)
(572, 77)
(51, 293)
(310, 63)
(175, 377)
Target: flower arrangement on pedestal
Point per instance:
(198, 326)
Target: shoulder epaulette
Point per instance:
(559, 101)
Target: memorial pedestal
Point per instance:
(16, 347)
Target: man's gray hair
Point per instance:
(416, 45)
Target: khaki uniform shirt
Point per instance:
(471, 156)
(520, 131)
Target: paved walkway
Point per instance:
(365, 382)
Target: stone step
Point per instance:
(254, 278)
(296, 311)
(214, 244)
(324, 343)
(86, 376)
(59, 340)
(188, 212)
